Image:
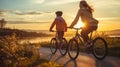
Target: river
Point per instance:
(39, 39)
(36, 40)
(47, 39)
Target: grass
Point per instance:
(14, 54)
(45, 63)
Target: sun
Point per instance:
(79, 24)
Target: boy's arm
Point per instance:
(51, 27)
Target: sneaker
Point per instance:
(89, 45)
(86, 44)
(88, 50)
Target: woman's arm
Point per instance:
(76, 19)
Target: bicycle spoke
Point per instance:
(100, 48)
(73, 49)
(53, 45)
(63, 47)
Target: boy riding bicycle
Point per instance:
(61, 25)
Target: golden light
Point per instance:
(79, 24)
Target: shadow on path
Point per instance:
(108, 62)
(83, 60)
(73, 62)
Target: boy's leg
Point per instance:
(60, 36)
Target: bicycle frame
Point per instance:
(79, 37)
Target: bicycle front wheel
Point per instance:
(63, 47)
(100, 48)
(53, 45)
(73, 49)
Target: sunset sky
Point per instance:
(39, 14)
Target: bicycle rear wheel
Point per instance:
(73, 49)
(63, 47)
(100, 48)
(53, 45)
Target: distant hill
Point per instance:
(117, 30)
(29, 30)
(41, 33)
(114, 32)
(21, 33)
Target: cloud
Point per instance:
(107, 3)
(53, 2)
(37, 1)
(109, 19)
(3, 13)
(59, 2)
(17, 12)
(24, 22)
(28, 13)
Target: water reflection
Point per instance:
(36, 40)
(117, 36)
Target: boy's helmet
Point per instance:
(58, 13)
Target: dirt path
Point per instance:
(83, 60)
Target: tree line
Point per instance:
(20, 33)
(2, 23)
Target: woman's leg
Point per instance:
(84, 35)
(85, 32)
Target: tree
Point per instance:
(2, 23)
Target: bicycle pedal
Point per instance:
(88, 50)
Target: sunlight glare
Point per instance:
(79, 24)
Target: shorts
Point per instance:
(60, 34)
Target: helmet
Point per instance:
(58, 13)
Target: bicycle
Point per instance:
(60, 44)
(99, 46)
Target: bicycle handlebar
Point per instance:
(69, 28)
(52, 31)
(75, 28)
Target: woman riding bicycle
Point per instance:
(90, 24)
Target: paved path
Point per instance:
(83, 60)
